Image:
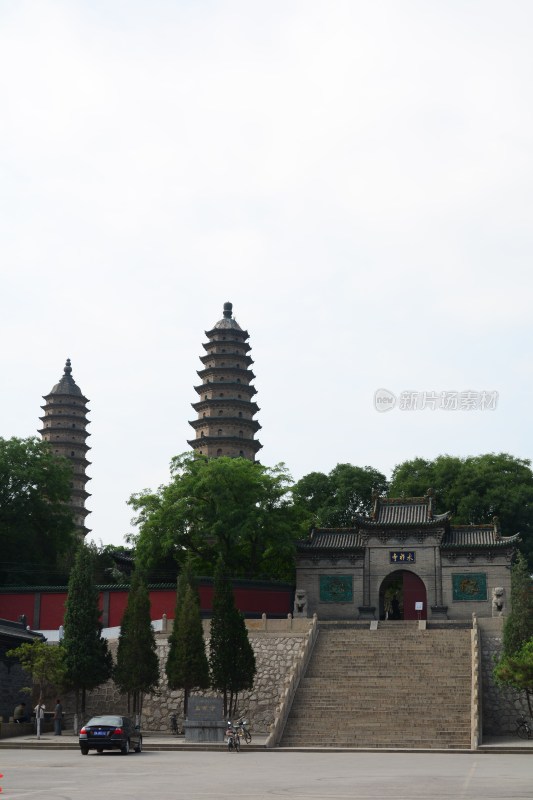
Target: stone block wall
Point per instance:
(278, 646)
(12, 680)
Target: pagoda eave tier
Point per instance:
(244, 347)
(65, 400)
(211, 387)
(55, 430)
(205, 422)
(207, 441)
(226, 401)
(247, 360)
(232, 371)
(227, 334)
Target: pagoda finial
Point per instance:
(228, 307)
(68, 368)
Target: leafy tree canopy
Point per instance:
(518, 628)
(45, 663)
(517, 671)
(221, 506)
(475, 489)
(36, 524)
(334, 499)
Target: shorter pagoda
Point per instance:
(64, 427)
(225, 425)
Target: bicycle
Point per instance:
(242, 730)
(523, 728)
(232, 738)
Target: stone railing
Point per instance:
(475, 705)
(287, 696)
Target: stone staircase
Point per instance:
(396, 686)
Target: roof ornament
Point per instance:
(375, 503)
(68, 368)
(430, 494)
(228, 308)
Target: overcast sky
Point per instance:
(356, 177)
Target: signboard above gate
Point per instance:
(402, 556)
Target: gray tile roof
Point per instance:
(403, 511)
(470, 536)
(332, 539)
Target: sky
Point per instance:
(355, 177)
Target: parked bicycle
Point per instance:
(242, 730)
(232, 737)
(523, 728)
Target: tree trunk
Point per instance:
(186, 693)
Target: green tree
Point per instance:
(517, 671)
(475, 489)
(137, 669)
(229, 506)
(333, 500)
(45, 664)
(34, 490)
(87, 658)
(187, 667)
(518, 627)
(231, 657)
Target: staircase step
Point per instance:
(394, 687)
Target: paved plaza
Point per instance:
(58, 774)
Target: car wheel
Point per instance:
(139, 747)
(125, 749)
(85, 751)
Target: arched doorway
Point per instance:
(398, 594)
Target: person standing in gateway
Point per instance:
(58, 716)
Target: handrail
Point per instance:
(291, 685)
(475, 705)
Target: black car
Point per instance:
(110, 733)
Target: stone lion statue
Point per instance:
(498, 601)
(300, 603)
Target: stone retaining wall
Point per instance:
(501, 706)
(277, 644)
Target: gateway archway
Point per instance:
(398, 594)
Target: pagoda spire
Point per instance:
(64, 427)
(225, 425)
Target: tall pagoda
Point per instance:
(225, 425)
(64, 426)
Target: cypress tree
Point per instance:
(232, 659)
(187, 667)
(88, 661)
(137, 669)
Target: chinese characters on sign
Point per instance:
(402, 556)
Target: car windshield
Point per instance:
(114, 721)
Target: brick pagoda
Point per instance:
(225, 425)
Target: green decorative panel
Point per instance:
(469, 586)
(336, 589)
